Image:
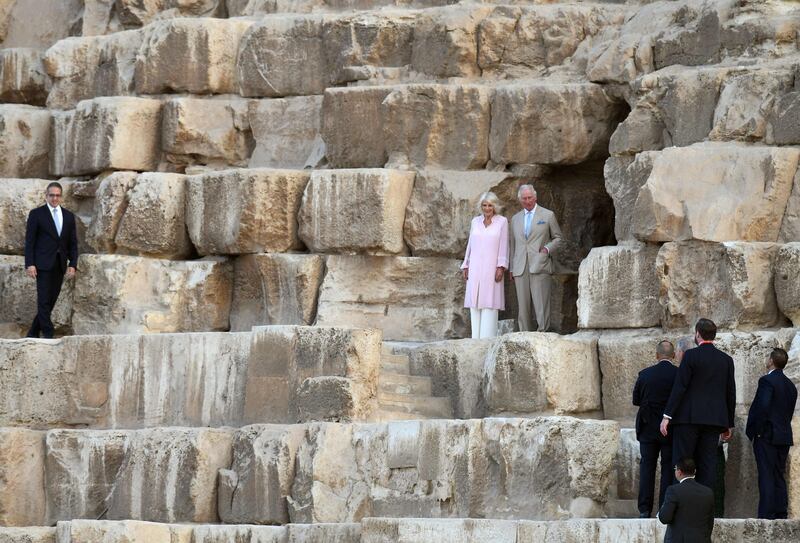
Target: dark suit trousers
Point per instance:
(647, 474)
(699, 442)
(773, 501)
(48, 287)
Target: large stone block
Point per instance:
(245, 211)
(275, 289)
(119, 133)
(154, 221)
(55, 20)
(787, 283)
(730, 283)
(524, 373)
(28, 534)
(355, 211)
(624, 176)
(126, 531)
(551, 123)
(413, 530)
(785, 120)
(133, 13)
(110, 205)
(288, 360)
(24, 141)
(351, 118)
(87, 67)
(618, 287)
(22, 77)
(286, 131)
(125, 294)
(190, 55)
(749, 185)
(22, 490)
(790, 227)
(408, 298)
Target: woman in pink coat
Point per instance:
(484, 264)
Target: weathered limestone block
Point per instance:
(260, 478)
(245, 211)
(418, 122)
(206, 131)
(785, 120)
(154, 221)
(627, 466)
(342, 532)
(790, 227)
(693, 38)
(24, 141)
(119, 133)
(212, 533)
(18, 298)
(787, 281)
(525, 373)
(110, 205)
(133, 13)
(413, 530)
(286, 131)
(22, 77)
(730, 283)
(197, 56)
(408, 298)
(351, 119)
(442, 206)
(355, 211)
(22, 491)
(551, 123)
(88, 67)
(55, 20)
(618, 287)
(624, 177)
(749, 185)
(284, 359)
(126, 531)
(28, 534)
(126, 294)
(275, 289)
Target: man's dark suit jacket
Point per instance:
(770, 416)
(651, 392)
(44, 247)
(688, 512)
(704, 392)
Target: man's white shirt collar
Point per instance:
(688, 477)
(54, 208)
(532, 211)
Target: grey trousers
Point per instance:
(534, 288)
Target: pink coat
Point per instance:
(487, 250)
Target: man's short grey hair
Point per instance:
(665, 349)
(492, 198)
(525, 187)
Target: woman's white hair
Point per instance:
(492, 198)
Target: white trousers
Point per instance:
(484, 322)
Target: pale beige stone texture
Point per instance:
(355, 211)
(22, 76)
(413, 530)
(275, 289)
(419, 122)
(787, 281)
(118, 133)
(126, 531)
(618, 287)
(341, 532)
(730, 283)
(245, 211)
(749, 186)
(133, 13)
(22, 490)
(83, 68)
(128, 294)
(24, 141)
(195, 55)
(28, 534)
(285, 130)
(55, 20)
(525, 373)
(624, 176)
(110, 205)
(551, 123)
(793, 475)
(154, 221)
(414, 299)
(790, 227)
(442, 206)
(206, 131)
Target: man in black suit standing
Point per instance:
(701, 405)
(769, 427)
(688, 509)
(51, 250)
(650, 393)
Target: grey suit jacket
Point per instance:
(524, 253)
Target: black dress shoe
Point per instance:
(644, 515)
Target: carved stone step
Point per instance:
(399, 383)
(429, 406)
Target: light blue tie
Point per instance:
(57, 219)
(528, 217)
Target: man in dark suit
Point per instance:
(51, 249)
(769, 427)
(651, 393)
(701, 405)
(688, 509)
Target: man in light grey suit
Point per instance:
(534, 236)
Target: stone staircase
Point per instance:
(402, 396)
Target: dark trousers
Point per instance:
(773, 501)
(699, 442)
(647, 474)
(48, 287)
